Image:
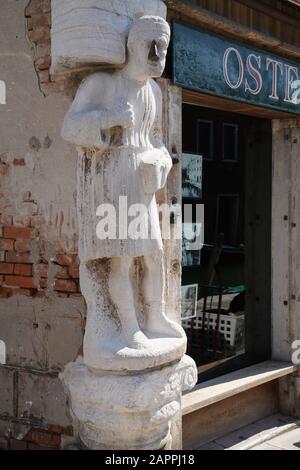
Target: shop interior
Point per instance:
(226, 257)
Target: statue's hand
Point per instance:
(154, 169)
(123, 115)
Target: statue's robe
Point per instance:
(109, 162)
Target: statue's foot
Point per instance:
(162, 325)
(138, 340)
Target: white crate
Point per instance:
(232, 327)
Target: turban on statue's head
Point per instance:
(146, 25)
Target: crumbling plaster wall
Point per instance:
(41, 308)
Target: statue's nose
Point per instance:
(153, 53)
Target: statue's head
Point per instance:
(148, 43)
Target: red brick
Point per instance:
(44, 439)
(23, 269)
(20, 281)
(51, 87)
(19, 162)
(74, 272)
(39, 34)
(62, 274)
(40, 294)
(23, 291)
(43, 283)
(65, 286)
(17, 232)
(29, 24)
(33, 8)
(4, 168)
(66, 260)
(43, 50)
(41, 21)
(44, 76)
(14, 444)
(12, 257)
(1, 280)
(56, 429)
(6, 244)
(5, 293)
(42, 270)
(22, 246)
(6, 268)
(44, 63)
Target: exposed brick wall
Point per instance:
(38, 18)
(38, 23)
(35, 439)
(27, 270)
(25, 267)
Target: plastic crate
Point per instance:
(231, 328)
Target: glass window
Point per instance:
(226, 291)
(227, 218)
(230, 142)
(205, 138)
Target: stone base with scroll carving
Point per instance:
(116, 412)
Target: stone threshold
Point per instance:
(226, 386)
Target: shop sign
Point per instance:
(218, 66)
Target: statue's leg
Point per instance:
(121, 293)
(154, 296)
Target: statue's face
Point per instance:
(150, 54)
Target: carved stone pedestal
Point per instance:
(127, 411)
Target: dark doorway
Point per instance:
(227, 167)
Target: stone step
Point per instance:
(276, 432)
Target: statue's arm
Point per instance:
(156, 131)
(94, 113)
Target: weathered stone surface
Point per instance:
(124, 332)
(34, 331)
(86, 33)
(129, 411)
(13, 429)
(6, 391)
(42, 398)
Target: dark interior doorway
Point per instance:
(227, 167)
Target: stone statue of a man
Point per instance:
(116, 123)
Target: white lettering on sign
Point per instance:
(250, 75)
(233, 86)
(255, 74)
(276, 67)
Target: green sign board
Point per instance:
(218, 66)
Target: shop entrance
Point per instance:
(227, 167)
